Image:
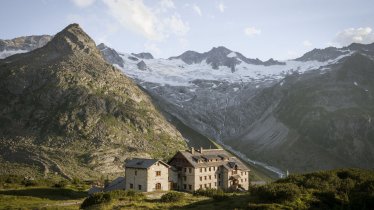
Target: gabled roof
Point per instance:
(143, 163)
(222, 157)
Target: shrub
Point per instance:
(278, 192)
(60, 184)
(95, 199)
(76, 181)
(220, 197)
(29, 182)
(120, 194)
(208, 192)
(11, 179)
(172, 197)
(268, 207)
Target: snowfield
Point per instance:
(7, 53)
(177, 73)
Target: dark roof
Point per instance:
(210, 157)
(224, 159)
(142, 163)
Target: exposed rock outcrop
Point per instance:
(64, 107)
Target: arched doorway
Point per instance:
(158, 186)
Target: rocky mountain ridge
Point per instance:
(221, 56)
(22, 44)
(253, 117)
(66, 111)
(273, 113)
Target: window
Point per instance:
(210, 177)
(190, 187)
(139, 187)
(219, 183)
(205, 185)
(204, 177)
(241, 173)
(219, 176)
(215, 176)
(241, 180)
(210, 185)
(185, 186)
(184, 178)
(190, 170)
(201, 178)
(158, 173)
(245, 179)
(201, 170)
(136, 173)
(158, 186)
(131, 186)
(201, 186)
(185, 170)
(215, 184)
(205, 169)
(209, 169)
(234, 172)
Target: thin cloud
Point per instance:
(83, 3)
(221, 7)
(153, 23)
(197, 9)
(168, 4)
(354, 35)
(152, 48)
(177, 26)
(252, 31)
(307, 43)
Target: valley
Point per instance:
(166, 104)
(244, 104)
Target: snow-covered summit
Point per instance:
(175, 72)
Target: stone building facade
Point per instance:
(209, 168)
(146, 175)
(188, 170)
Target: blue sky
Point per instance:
(280, 29)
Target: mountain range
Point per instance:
(310, 113)
(66, 111)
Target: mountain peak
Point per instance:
(220, 49)
(72, 39)
(110, 55)
(143, 55)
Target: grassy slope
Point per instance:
(337, 189)
(41, 197)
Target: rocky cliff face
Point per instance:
(317, 120)
(65, 110)
(110, 55)
(306, 114)
(298, 116)
(221, 56)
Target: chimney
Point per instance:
(201, 150)
(192, 150)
